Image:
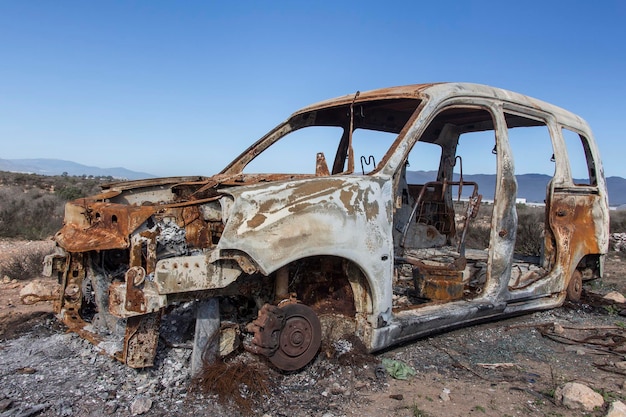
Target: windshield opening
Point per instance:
(318, 142)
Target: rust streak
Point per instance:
(256, 221)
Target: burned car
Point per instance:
(348, 240)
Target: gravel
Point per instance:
(49, 372)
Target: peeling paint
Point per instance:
(256, 221)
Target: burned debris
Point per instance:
(286, 261)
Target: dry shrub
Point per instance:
(479, 230)
(529, 237)
(246, 385)
(31, 206)
(477, 237)
(29, 214)
(530, 224)
(24, 266)
(617, 221)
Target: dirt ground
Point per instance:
(504, 368)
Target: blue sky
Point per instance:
(181, 88)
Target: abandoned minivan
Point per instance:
(365, 226)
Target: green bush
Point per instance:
(71, 193)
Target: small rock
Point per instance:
(342, 347)
(141, 405)
(337, 389)
(621, 365)
(360, 385)
(615, 297)
(25, 370)
(616, 409)
(6, 279)
(445, 395)
(577, 396)
(110, 407)
(5, 404)
(580, 352)
(558, 329)
(398, 397)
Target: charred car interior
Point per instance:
(353, 242)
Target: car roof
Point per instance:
(444, 90)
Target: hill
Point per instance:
(532, 187)
(43, 166)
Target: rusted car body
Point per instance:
(293, 258)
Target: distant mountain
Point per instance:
(617, 190)
(532, 187)
(58, 167)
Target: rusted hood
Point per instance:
(105, 221)
(100, 226)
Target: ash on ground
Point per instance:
(50, 372)
(509, 364)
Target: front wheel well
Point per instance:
(336, 289)
(329, 285)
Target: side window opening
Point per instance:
(581, 161)
(534, 154)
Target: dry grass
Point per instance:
(246, 385)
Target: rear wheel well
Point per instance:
(590, 266)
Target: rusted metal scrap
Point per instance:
(607, 339)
